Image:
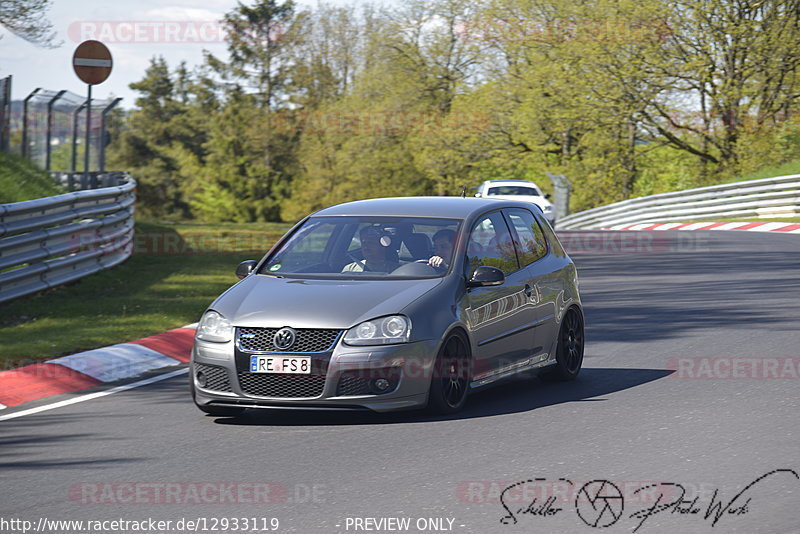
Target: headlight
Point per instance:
(383, 331)
(214, 327)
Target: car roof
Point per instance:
(510, 182)
(434, 207)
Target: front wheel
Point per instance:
(451, 376)
(569, 353)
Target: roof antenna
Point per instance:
(464, 191)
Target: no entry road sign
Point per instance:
(92, 62)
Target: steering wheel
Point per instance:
(359, 262)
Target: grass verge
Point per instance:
(785, 169)
(21, 180)
(176, 271)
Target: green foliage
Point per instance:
(21, 180)
(26, 19)
(316, 107)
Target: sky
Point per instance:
(134, 32)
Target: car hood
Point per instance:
(539, 201)
(266, 301)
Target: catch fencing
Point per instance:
(765, 198)
(51, 241)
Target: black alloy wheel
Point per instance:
(569, 354)
(451, 376)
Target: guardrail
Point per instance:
(51, 241)
(768, 197)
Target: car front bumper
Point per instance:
(342, 379)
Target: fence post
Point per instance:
(50, 127)
(103, 132)
(5, 113)
(24, 148)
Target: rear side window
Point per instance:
(555, 245)
(490, 244)
(528, 236)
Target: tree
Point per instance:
(154, 145)
(26, 19)
(728, 69)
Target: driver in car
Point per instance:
(442, 249)
(375, 248)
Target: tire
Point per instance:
(220, 411)
(569, 352)
(452, 373)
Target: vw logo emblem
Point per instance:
(284, 338)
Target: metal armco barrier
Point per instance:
(768, 197)
(51, 241)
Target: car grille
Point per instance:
(350, 385)
(307, 340)
(216, 377)
(283, 386)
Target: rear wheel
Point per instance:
(451, 376)
(220, 411)
(569, 353)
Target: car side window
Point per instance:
(553, 242)
(490, 244)
(528, 236)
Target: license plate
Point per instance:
(289, 365)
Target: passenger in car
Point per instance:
(376, 252)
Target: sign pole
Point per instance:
(92, 64)
(88, 132)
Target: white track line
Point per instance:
(91, 396)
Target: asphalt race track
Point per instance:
(686, 418)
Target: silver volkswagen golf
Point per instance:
(391, 304)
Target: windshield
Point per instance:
(366, 247)
(514, 190)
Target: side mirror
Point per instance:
(245, 268)
(486, 276)
(547, 196)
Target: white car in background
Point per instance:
(520, 190)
